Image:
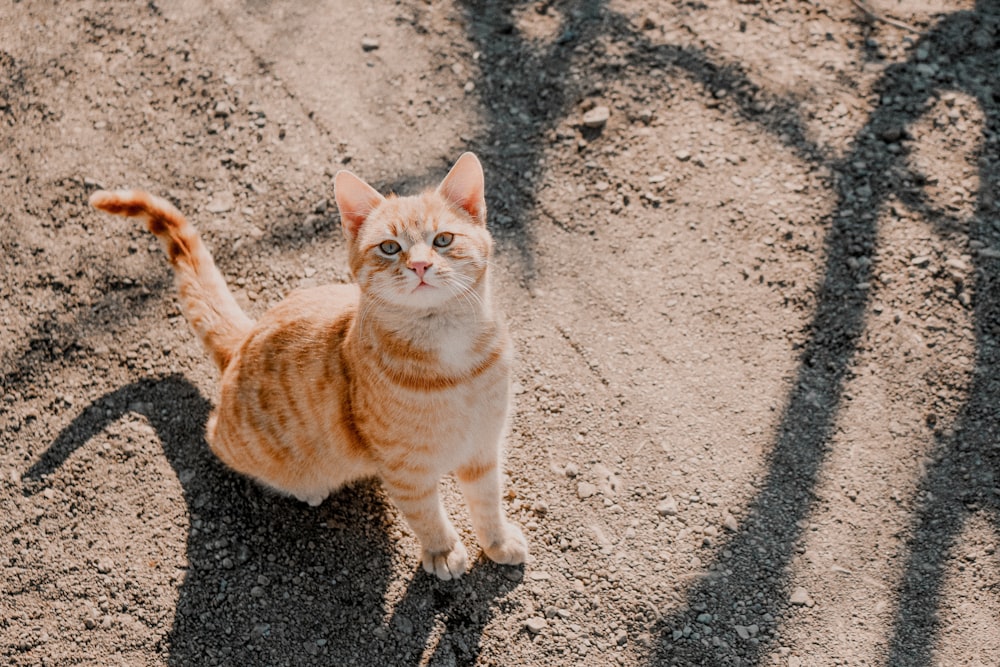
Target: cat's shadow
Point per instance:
(272, 581)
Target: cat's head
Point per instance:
(423, 251)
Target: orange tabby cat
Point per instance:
(404, 375)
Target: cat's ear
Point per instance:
(355, 200)
(464, 187)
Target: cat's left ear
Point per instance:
(464, 187)
(355, 200)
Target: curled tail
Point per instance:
(205, 299)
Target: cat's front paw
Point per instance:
(510, 549)
(448, 564)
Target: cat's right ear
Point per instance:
(355, 200)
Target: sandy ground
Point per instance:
(749, 253)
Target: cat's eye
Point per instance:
(443, 240)
(389, 247)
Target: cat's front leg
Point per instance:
(502, 541)
(442, 551)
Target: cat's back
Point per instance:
(304, 329)
(311, 306)
(298, 340)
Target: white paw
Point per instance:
(510, 549)
(446, 564)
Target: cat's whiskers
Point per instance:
(468, 294)
(469, 299)
(464, 283)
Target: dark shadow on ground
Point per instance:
(519, 114)
(268, 576)
(462, 609)
(962, 479)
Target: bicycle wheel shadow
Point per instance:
(754, 589)
(269, 580)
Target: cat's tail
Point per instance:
(205, 299)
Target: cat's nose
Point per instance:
(419, 268)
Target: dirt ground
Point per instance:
(749, 252)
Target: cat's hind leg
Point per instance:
(233, 448)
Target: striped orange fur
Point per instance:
(404, 375)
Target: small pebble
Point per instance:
(513, 574)
(403, 624)
(597, 117)
(369, 43)
(536, 624)
(800, 597)
(221, 204)
(667, 506)
(585, 490)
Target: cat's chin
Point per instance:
(423, 298)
